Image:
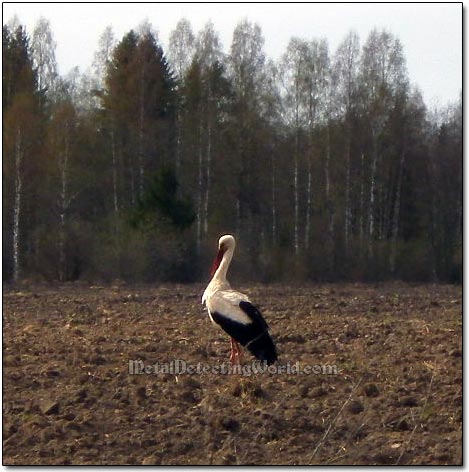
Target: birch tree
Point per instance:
(273, 110)
(382, 75)
(61, 145)
(180, 52)
(101, 63)
(317, 95)
(43, 54)
(17, 132)
(181, 47)
(193, 135)
(208, 52)
(294, 73)
(345, 76)
(247, 72)
(20, 138)
(205, 91)
(103, 56)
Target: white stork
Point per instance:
(234, 312)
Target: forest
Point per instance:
(325, 165)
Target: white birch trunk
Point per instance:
(63, 208)
(199, 192)
(295, 170)
(141, 138)
(396, 215)
(387, 211)
(433, 239)
(17, 207)
(328, 187)
(295, 190)
(348, 214)
(274, 210)
(238, 216)
(132, 184)
(178, 142)
(308, 207)
(371, 226)
(207, 183)
(382, 205)
(326, 169)
(312, 116)
(114, 173)
(362, 200)
(459, 221)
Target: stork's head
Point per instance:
(225, 243)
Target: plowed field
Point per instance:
(384, 384)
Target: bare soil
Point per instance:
(68, 397)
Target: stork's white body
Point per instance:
(219, 296)
(233, 310)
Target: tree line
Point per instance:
(326, 165)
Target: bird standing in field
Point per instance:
(234, 312)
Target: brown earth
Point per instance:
(68, 397)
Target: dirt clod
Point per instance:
(230, 424)
(50, 407)
(355, 407)
(318, 392)
(455, 353)
(371, 390)
(351, 331)
(409, 401)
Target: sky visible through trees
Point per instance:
(325, 164)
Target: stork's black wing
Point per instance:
(254, 336)
(254, 314)
(261, 345)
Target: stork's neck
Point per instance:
(220, 273)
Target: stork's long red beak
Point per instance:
(217, 261)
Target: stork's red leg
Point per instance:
(232, 352)
(240, 354)
(237, 352)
